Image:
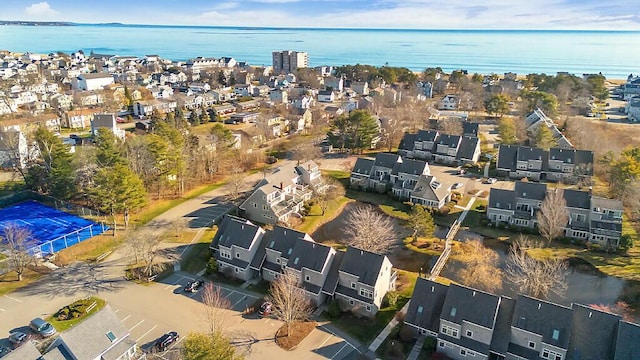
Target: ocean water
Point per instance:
(614, 53)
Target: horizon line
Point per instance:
(72, 23)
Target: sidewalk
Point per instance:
(417, 347)
(375, 344)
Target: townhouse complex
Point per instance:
(472, 324)
(357, 279)
(407, 179)
(590, 218)
(447, 149)
(555, 164)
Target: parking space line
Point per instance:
(176, 343)
(14, 299)
(324, 342)
(116, 311)
(125, 318)
(343, 346)
(136, 325)
(345, 340)
(175, 283)
(238, 302)
(3, 310)
(145, 334)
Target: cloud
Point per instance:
(41, 10)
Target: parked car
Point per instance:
(265, 309)
(461, 171)
(167, 339)
(491, 180)
(18, 338)
(4, 351)
(456, 185)
(42, 327)
(193, 286)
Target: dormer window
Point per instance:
(556, 334)
(453, 311)
(111, 336)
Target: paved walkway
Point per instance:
(417, 347)
(375, 344)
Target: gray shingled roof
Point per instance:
(627, 341)
(235, 231)
(467, 147)
(502, 199)
(94, 328)
(466, 304)
(426, 135)
(408, 141)
(363, 166)
(309, 255)
(411, 166)
(502, 329)
(331, 281)
(470, 128)
(27, 351)
(386, 160)
(603, 203)
(526, 153)
(426, 304)
(451, 141)
(577, 199)
(549, 320)
(591, 334)
(507, 155)
(364, 265)
(532, 191)
(424, 189)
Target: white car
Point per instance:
(456, 186)
(491, 180)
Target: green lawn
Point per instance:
(83, 308)
(315, 218)
(9, 281)
(195, 259)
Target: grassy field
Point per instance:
(84, 308)
(315, 218)
(90, 249)
(9, 281)
(195, 259)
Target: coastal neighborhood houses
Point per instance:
(218, 180)
(357, 279)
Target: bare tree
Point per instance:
(236, 179)
(288, 300)
(145, 248)
(332, 191)
(16, 241)
(534, 277)
(450, 126)
(178, 225)
(216, 308)
(480, 269)
(369, 230)
(552, 216)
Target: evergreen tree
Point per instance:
(109, 150)
(497, 104)
(194, 119)
(199, 346)
(421, 222)
(118, 190)
(52, 171)
(544, 138)
(507, 131)
(354, 131)
(204, 117)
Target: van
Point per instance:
(42, 327)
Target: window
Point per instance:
(111, 336)
(278, 261)
(255, 205)
(264, 207)
(556, 334)
(463, 352)
(307, 278)
(448, 330)
(441, 344)
(369, 308)
(237, 254)
(420, 308)
(453, 311)
(469, 334)
(353, 285)
(532, 345)
(237, 270)
(366, 293)
(552, 355)
(351, 302)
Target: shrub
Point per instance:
(212, 266)
(429, 344)
(333, 310)
(391, 298)
(400, 317)
(595, 247)
(481, 207)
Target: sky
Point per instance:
(401, 14)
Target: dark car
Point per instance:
(193, 286)
(4, 351)
(18, 338)
(167, 339)
(42, 327)
(265, 309)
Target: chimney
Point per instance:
(281, 186)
